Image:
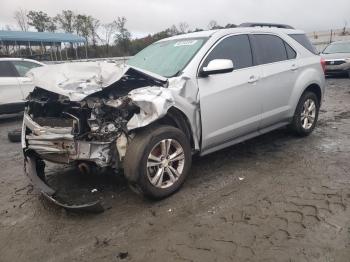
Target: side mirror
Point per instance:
(217, 66)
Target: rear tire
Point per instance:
(306, 114)
(157, 161)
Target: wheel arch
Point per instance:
(309, 79)
(313, 87)
(316, 89)
(176, 118)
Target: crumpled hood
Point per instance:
(335, 56)
(80, 79)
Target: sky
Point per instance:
(150, 16)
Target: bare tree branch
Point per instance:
(21, 17)
(183, 27)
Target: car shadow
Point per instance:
(75, 187)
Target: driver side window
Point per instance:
(236, 48)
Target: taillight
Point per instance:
(323, 64)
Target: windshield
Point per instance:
(337, 48)
(167, 58)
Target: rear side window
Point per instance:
(236, 48)
(7, 69)
(304, 41)
(290, 51)
(269, 49)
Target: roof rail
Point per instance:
(266, 25)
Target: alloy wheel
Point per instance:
(165, 163)
(308, 114)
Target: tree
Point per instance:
(198, 30)
(66, 21)
(183, 27)
(212, 24)
(172, 30)
(344, 28)
(41, 21)
(82, 26)
(107, 32)
(230, 26)
(7, 28)
(95, 24)
(22, 19)
(122, 38)
(51, 26)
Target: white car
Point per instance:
(14, 85)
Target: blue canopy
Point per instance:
(19, 37)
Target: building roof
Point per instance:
(19, 37)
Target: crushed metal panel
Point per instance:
(81, 79)
(154, 102)
(98, 152)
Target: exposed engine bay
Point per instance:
(97, 121)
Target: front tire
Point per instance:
(157, 161)
(306, 114)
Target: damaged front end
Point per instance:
(88, 122)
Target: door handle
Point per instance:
(294, 67)
(253, 79)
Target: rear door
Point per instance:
(279, 68)
(26, 84)
(229, 102)
(11, 98)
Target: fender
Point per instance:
(310, 76)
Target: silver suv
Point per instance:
(189, 94)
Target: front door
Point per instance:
(229, 102)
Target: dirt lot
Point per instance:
(274, 198)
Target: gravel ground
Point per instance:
(274, 198)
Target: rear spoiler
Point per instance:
(266, 25)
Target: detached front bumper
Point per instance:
(58, 145)
(34, 170)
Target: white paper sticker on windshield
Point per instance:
(188, 42)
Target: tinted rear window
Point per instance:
(7, 69)
(270, 49)
(304, 41)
